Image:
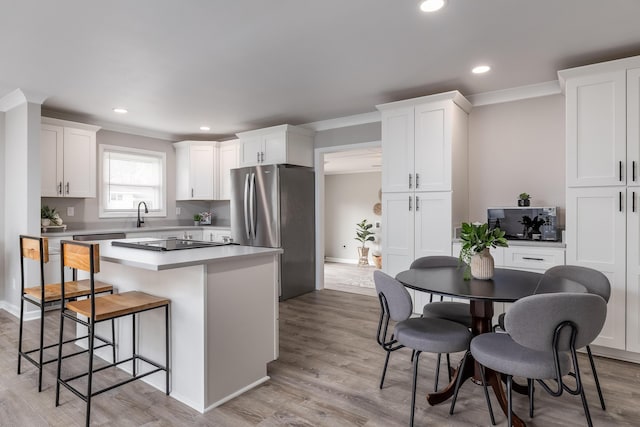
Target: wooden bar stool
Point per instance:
(37, 249)
(86, 257)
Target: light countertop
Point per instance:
(533, 243)
(69, 233)
(165, 260)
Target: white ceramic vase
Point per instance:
(482, 265)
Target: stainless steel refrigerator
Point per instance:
(273, 206)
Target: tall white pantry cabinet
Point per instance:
(603, 188)
(424, 177)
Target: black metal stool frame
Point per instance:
(41, 305)
(90, 324)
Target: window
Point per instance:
(129, 176)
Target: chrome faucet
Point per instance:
(141, 220)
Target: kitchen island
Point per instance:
(223, 316)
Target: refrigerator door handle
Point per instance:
(246, 206)
(252, 204)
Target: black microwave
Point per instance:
(525, 223)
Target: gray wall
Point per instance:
(348, 135)
(2, 202)
(86, 210)
(517, 147)
(349, 198)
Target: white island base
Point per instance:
(223, 317)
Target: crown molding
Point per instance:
(18, 97)
(342, 122)
(516, 93)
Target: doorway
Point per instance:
(348, 181)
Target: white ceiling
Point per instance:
(237, 65)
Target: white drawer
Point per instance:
(531, 258)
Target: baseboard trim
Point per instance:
(341, 260)
(237, 393)
(15, 311)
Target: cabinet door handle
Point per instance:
(633, 201)
(262, 157)
(620, 200)
(258, 156)
(417, 180)
(417, 198)
(532, 258)
(620, 170)
(192, 192)
(410, 177)
(60, 188)
(67, 187)
(410, 204)
(633, 171)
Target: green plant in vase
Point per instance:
(364, 235)
(476, 240)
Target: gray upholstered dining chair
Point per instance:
(561, 323)
(419, 334)
(455, 311)
(596, 283)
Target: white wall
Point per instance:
(517, 147)
(348, 135)
(2, 220)
(349, 198)
(21, 193)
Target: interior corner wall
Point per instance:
(21, 193)
(349, 198)
(517, 147)
(2, 204)
(356, 134)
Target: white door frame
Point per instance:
(318, 165)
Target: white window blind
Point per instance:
(129, 176)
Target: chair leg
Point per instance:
(90, 376)
(113, 339)
(509, 400)
(449, 367)
(41, 347)
(583, 397)
(58, 377)
(458, 381)
(595, 377)
(384, 370)
(166, 329)
(20, 333)
(531, 391)
(133, 334)
(413, 387)
(486, 394)
(435, 387)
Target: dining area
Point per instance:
(533, 350)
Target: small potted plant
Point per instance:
(364, 235)
(477, 239)
(48, 215)
(196, 219)
(523, 199)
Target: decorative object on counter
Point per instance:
(523, 199)
(196, 219)
(476, 240)
(364, 235)
(205, 218)
(50, 219)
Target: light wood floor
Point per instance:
(327, 375)
(349, 278)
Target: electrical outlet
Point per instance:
(71, 211)
(178, 211)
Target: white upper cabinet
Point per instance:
(276, 145)
(67, 158)
(195, 170)
(419, 138)
(596, 129)
(227, 160)
(633, 126)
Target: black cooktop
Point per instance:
(167, 244)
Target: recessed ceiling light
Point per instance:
(480, 69)
(120, 110)
(432, 5)
(205, 128)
